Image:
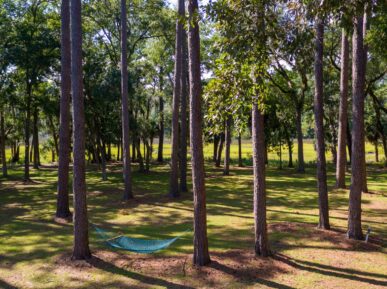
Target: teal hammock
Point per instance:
(134, 244)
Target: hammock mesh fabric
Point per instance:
(134, 244)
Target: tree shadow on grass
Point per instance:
(326, 270)
(152, 281)
(6, 285)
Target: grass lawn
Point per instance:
(35, 251)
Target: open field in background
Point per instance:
(35, 251)
(309, 152)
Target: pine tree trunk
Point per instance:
(215, 150)
(226, 168)
(178, 77)
(376, 151)
(128, 194)
(343, 114)
(358, 150)
(261, 239)
(300, 142)
(81, 232)
(2, 143)
(184, 123)
(62, 205)
(349, 142)
(160, 157)
(201, 256)
(319, 128)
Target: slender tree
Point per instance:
(226, 168)
(81, 233)
(160, 157)
(183, 114)
(128, 194)
(177, 92)
(319, 127)
(343, 114)
(62, 207)
(201, 256)
(358, 150)
(2, 145)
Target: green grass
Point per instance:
(32, 245)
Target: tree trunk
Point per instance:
(358, 150)
(261, 239)
(27, 133)
(2, 143)
(290, 151)
(300, 142)
(62, 205)
(201, 256)
(226, 168)
(160, 157)
(220, 150)
(81, 232)
(349, 142)
(127, 174)
(215, 150)
(240, 161)
(184, 123)
(319, 128)
(343, 114)
(141, 167)
(174, 174)
(36, 140)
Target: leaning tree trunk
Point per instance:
(358, 150)
(319, 116)
(184, 123)
(2, 143)
(128, 194)
(62, 204)
(160, 157)
(200, 256)
(220, 150)
(261, 239)
(174, 174)
(343, 114)
(226, 168)
(81, 232)
(300, 142)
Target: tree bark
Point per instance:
(220, 150)
(177, 92)
(183, 114)
(81, 232)
(215, 150)
(127, 174)
(319, 128)
(2, 143)
(358, 150)
(62, 205)
(261, 239)
(27, 132)
(343, 114)
(226, 168)
(201, 256)
(240, 161)
(300, 142)
(36, 140)
(160, 157)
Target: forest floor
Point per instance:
(35, 250)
